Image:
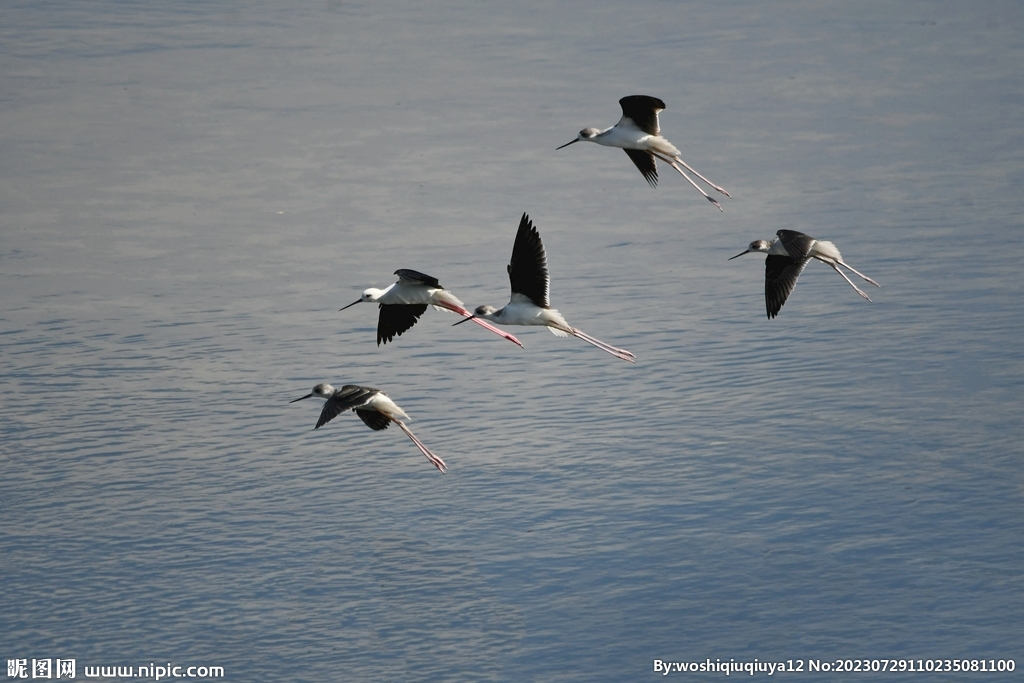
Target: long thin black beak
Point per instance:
(567, 144)
(299, 399)
(357, 301)
(738, 255)
(464, 320)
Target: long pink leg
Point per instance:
(434, 460)
(689, 180)
(482, 323)
(849, 280)
(608, 348)
(844, 264)
(711, 184)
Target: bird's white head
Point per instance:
(319, 391)
(585, 134)
(372, 294)
(368, 296)
(756, 246)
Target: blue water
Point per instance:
(190, 191)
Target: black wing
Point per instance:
(414, 276)
(374, 420)
(394, 319)
(643, 109)
(780, 276)
(796, 243)
(528, 269)
(350, 396)
(645, 162)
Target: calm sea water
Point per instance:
(190, 191)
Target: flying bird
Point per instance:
(372, 406)
(788, 255)
(529, 305)
(402, 304)
(638, 133)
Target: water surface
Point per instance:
(190, 192)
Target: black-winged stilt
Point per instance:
(528, 305)
(402, 304)
(639, 135)
(788, 255)
(372, 406)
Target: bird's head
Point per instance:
(480, 312)
(484, 311)
(756, 246)
(368, 296)
(320, 391)
(585, 134)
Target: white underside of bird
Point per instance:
(521, 311)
